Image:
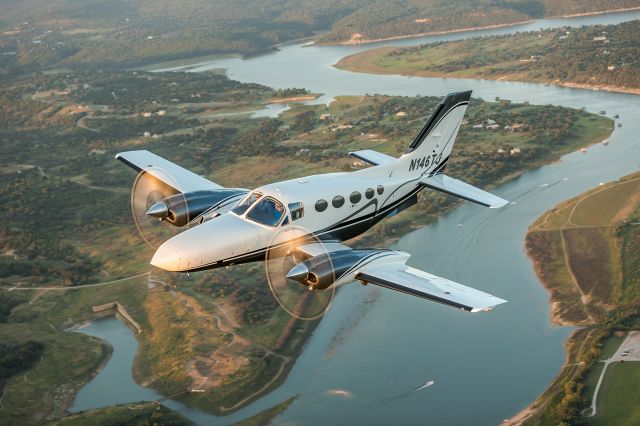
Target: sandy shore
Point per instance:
(431, 33)
(576, 15)
(358, 62)
(293, 99)
(486, 27)
(606, 88)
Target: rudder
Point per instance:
(429, 151)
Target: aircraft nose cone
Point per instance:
(159, 210)
(167, 258)
(299, 272)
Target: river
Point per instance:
(486, 367)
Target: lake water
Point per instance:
(486, 367)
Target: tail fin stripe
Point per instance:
(451, 102)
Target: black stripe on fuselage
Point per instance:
(327, 233)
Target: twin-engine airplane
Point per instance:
(307, 219)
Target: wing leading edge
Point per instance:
(385, 268)
(396, 275)
(171, 174)
(400, 277)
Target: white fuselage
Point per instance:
(336, 206)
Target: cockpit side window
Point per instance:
(246, 203)
(267, 211)
(297, 210)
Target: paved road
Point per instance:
(630, 346)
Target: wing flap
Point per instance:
(373, 157)
(451, 186)
(400, 277)
(171, 174)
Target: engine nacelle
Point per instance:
(322, 271)
(181, 209)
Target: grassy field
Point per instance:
(620, 400)
(581, 250)
(585, 252)
(132, 414)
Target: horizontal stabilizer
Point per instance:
(171, 174)
(400, 277)
(444, 183)
(373, 157)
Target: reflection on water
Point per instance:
(486, 366)
(114, 384)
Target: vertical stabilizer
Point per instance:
(430, 150)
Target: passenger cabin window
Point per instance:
(296, 210)
(267, 211)
(369, 193)
(321, 205)
(380, 189)
(246, 203)
(355, 197)
(338, 201)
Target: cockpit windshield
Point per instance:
(246, 203)
(267, 211)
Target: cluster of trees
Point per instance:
(131, 33)
(566, 406)
(121, 34)
(567, 55)
(136, 91)
(382, 19)
(9, 301)
(17, 358)
(242, 287)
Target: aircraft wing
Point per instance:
(171, 174)
(317, 248)
(387, 268)
(451, 186)
(400, 277)
(373, 157)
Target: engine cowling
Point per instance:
(181, 209)
(322, 271)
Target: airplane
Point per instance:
(309, 218)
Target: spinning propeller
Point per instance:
(285, 272)
(283, 267)
(146, 207)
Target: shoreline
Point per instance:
(345, 65)
(577, 15)
(294, 99)
(351, 42)
(478, 28)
